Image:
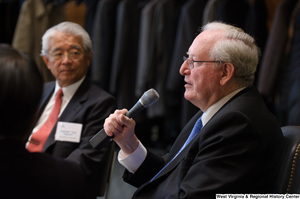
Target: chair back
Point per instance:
(289, 174)
(108, 170)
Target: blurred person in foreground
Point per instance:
(24, 174)
(237, 142)
(67, 52)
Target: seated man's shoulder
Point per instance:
(98, 92)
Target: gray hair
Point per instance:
(238, 48)
(70, 28)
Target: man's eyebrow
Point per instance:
(56, 49)
(71, 47)
(76, 47)
(188, 54)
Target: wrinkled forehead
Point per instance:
(65, 41)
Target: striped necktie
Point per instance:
(38, 139)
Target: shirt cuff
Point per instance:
(133, 161)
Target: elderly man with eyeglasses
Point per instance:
(65, 124)
(232, 145)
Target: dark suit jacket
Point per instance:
(235, 152)
(273, 77)
(274, 54)
(124, 63)
(89, 106)
(190, 20)
(34, 175)
(104, 29)
(288, 104)
(155, 51)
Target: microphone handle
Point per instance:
(101, 139)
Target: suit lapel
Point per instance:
(71, 110)
(75, 104)
(184, 135)
(48, 91)
(179, 143)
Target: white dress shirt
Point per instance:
(133, 161)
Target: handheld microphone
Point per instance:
(148, 98)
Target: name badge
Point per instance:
(68, 132)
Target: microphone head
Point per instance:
(149, 97)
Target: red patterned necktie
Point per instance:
(38, 139)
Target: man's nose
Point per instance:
(66, 57)
(185, 68)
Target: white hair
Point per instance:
(238, 48)
(70, 28)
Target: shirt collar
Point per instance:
(70, 90)
(207, 115)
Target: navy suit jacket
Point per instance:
(237, 151)
(89, 106)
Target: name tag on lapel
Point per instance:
(68, 132)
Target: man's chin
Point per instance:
(187, 95)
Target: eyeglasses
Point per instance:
(191, 62)
(73, 55)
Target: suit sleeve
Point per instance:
(91, 160)
(149, 168)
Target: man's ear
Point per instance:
(89, 58)
(46, 60)
(227, 73)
